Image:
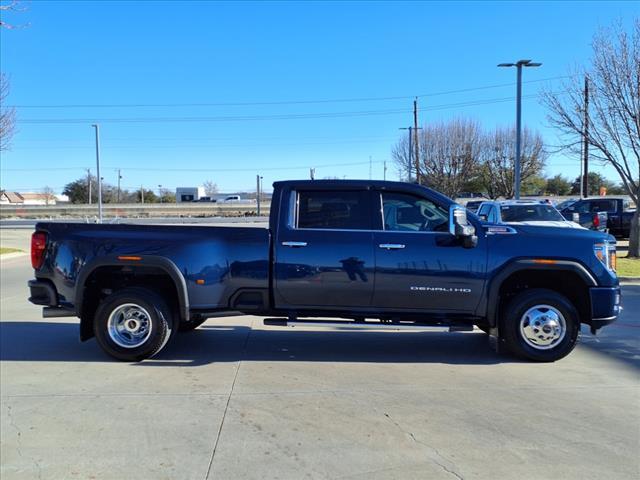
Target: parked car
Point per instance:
(566, 204)
(364, 253)
(232, 198)
(473, 205)
(617, 213)
(524, 212)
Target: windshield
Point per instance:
(528, 213)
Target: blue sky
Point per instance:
(149, 72)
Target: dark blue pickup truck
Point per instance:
(370, 253)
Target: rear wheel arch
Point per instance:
(110, 274)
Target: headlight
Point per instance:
(606, 253)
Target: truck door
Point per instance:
(419, 264)
(324, 252)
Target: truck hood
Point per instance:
(548, 223)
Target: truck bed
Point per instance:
(213, 262)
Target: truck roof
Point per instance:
(360, 184)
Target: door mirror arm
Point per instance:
(460, 227)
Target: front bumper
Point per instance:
(605, 306)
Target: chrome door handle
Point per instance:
(294, 244)
(391, 246)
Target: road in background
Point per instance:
(236, 400)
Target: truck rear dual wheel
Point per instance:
(133, 324)
(540, 325)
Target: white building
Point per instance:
(15, 198)
(189, 194)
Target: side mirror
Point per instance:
(575, 217)
(483, 217)
(460, 227)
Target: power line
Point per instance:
(303, 116)
(285, 102)
(161, 169)
(208, 145)
(300, 116)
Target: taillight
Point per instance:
(596, 220)
(613, 260)
(38, 246)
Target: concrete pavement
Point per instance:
(237, 400)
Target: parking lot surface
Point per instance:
(237, 400)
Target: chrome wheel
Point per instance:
(129, 325)
(543, 327)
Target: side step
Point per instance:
(52, 312)
(359, 325)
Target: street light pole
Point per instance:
(98, 172)
(516, 179)
(518, 160)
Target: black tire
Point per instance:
(150, 341)
(192, 324)
(516, 340)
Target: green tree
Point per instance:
(167, 196)
(595, 181)
(558, 185)
(78, 191)
(534, 185)
(149, 196)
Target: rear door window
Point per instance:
(603, 206)
(334, 210)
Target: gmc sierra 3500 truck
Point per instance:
(367, 252)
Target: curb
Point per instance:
(629, 280)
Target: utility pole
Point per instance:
(411, 130)
(89, 183)
(312, 173)
(415, 139)
(258, 193)
(119, 178)
(141, 194)
(98, 172)
(519, 64)
(370, 165)
(384, 174)
(160, 192)
(585, 140)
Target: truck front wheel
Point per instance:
(133, 324)
(540, 325)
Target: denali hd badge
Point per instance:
(441, 289)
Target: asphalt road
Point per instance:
(237, 400)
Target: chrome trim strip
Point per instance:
(392, 246)
(294, 244)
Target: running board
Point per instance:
(359, 325)
(54, 312)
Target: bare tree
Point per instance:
(404, 159)
(12, 6)
(614, 110)
(7, 115)
(497, 160)
(210, 188)
(449, 154)
(49, 195)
